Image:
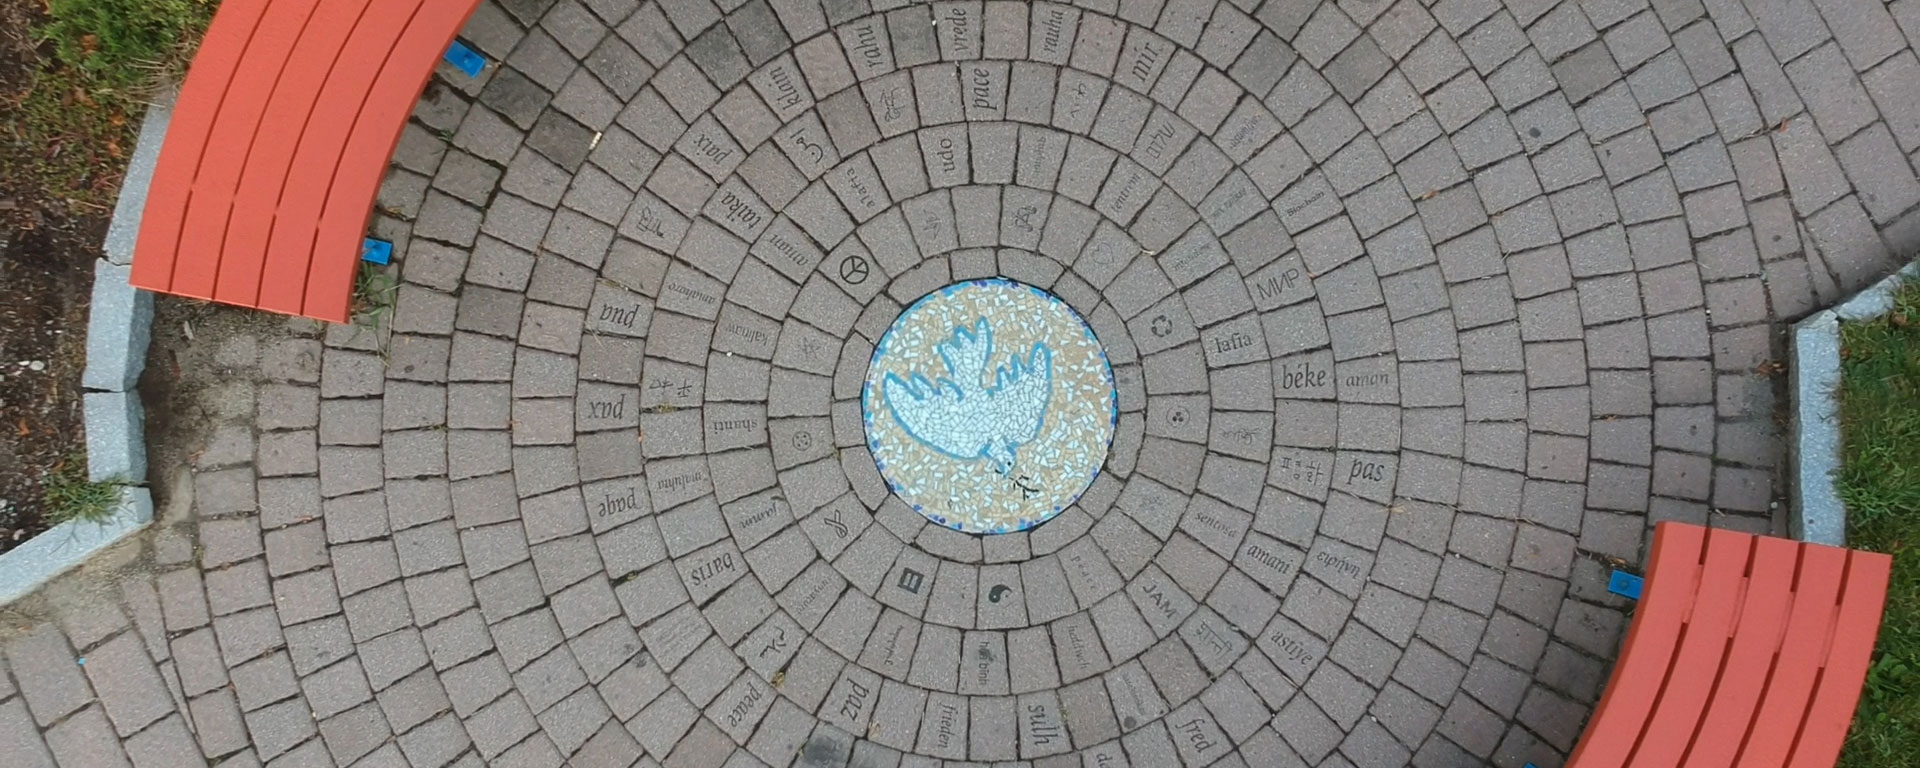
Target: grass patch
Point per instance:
(124, 42)
(1880, 483)
(74, 132)
(98, 63)
(373, 291)
(370, 309)
(70, 496)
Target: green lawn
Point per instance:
(1880, 483)
(70, 121)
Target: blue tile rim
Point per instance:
(1113, 403)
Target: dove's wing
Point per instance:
(1021, 394)
(932, 414)
(965, 355)
(965, 420)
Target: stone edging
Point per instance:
(1818, 515)
(119, 327)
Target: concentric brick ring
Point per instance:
(1260, 410)
(1389, 299)
(930, 617)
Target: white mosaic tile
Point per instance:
(989, 406)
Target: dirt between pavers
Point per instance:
(199, 392)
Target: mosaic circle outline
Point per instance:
(1102, 453)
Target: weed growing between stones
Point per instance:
(72, 497)
(372, 307)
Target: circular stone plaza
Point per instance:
(1152, 383)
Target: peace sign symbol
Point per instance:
(853, 269)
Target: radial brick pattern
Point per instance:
(1419, 313)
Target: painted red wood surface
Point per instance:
(217, 179)
(1861, 602)
(263, 183)
(291, 254)
(157, 249)
(1744, 651)
(278, 144)
(356, 180)
(1763, 617)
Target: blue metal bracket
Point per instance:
(1625, 585)
(376, 251)
(466, 59)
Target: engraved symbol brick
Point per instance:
(854, 269)
(910, 580)
(1023, 217)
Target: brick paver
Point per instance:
(1420, 314)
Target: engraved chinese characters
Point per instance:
(989, 406)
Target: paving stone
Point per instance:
(85, 739)
(46, 673)
(1558, 233)
(127, 682)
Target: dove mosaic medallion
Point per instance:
(989, 406)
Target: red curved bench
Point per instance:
(277, 147)
(1745, 650)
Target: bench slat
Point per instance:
(291, 251)
(264, 180)
(213, 68)
(1647, 654)
(356, 182)
(1763, 618)
(1745, 651)
(1858, 620)
(1809, 624)
(1696, 667)
(231, 141)
(279, 143)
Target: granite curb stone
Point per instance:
(1818, 514)
(116, 437)
(119, 329)
(25, 567)
(124, 230)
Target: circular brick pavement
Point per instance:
(1419, 315)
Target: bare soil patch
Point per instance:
(45, 277)
(47, 250)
